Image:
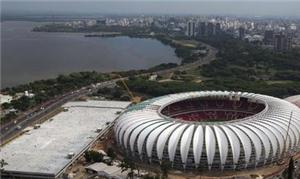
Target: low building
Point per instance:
(153, 78)
(5, 98)
(104, 170)
(28, 94)
(199, 52)
(47, 151)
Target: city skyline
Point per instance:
(150, 89)
(246, 8)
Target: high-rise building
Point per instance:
(190, 30)
(269, 37)
(202, 29)
(101, 21)
(211, 29)
(252, 26)
(218, 28)
(241, 33)
(282, 42)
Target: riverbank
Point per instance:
(103, 34)
(29, 56)
(43, 89)
(184, 46)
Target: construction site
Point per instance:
(80, 140)
(48, 150)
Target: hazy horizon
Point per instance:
(220, 7)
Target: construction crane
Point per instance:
(134, 99)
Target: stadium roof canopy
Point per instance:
(147, 133)
(294, 99)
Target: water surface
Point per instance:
(27, 56)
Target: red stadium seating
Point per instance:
(210, 109)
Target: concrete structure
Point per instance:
(218, 28)
(282, 42)
(190, 29)
(5, 98)
(211, 29)
(45, 152)
(269, 37)
(104, 170)
(294, 99)
(153, 77)
(210, 130)
(202, 29)
(242, 33)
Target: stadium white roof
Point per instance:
(44, 150)
(255, 139)
(294, 99)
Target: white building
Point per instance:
(104, 170)
(190, 29)
(45, 152)
(210, 130)
(5, 98)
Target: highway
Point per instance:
(16, 126)
(11, 129)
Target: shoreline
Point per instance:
(162, 38)
(162, 57)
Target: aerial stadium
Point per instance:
(210, 130)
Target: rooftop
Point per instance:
(5, 98)
(294, 99)
(110, 170)
(44, 150)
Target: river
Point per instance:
(27, 56)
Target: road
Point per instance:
(9, 130)
(212, 52)
(16, 126)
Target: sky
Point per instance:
(152, 0)
(201, 7)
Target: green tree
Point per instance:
(291, 169)
(93, 156)
(128, 165)
(87, 156)
(21, 104)
(117, 92)
(6, 105)
(2, 164)
(111, 153)
(165, 166)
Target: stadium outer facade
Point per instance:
(210, 130)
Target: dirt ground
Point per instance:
(77, 169)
